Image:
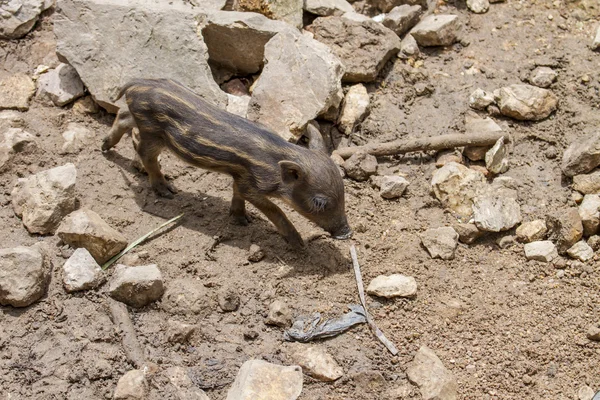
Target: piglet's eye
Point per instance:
(319, 203)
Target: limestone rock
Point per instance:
(255, 253)
(444, 157)
(178, 332)
(360, 166)
(437, 30)
(134, 45)
(229, 299)
(77, 136)
(84, 228)
(16, 91)
(433, 379)
(544, 251)
(132, 386)
(564, 228)
(475, 124)
(238, 105)
(136, 286)
(259, 379)
(236, 40)
(589, 211)
(478, 6)
(24, 275)
(593, 333)
(532, 231)
(395, 285)
(289, 11)
(186, 390)
(19, 16)
(581, 251)
(43, 199)
(319, 364)
(596, 42)
(82, 272)
(409, 46)
(495, 212)
(402, 18)
(363, 47)
(325, 8)
(354, 16)
(386, 6)
(582, 156)
(392, 186)
(587, 183)
(279, 314)
(60, 86)
(495, 158)
(455, 186)
(440, 242)
(586, 393)
(480, 99)
(300, 81)
(186, 297)
(543, 77)
(526, 102)
(17, 140)
(354, 108)
(467, 233)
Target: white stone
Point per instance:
(589, 211)
(440, 242)
(402, 18)
(17, 17)
(392, 186)
(582, 155)
(24, 275)
(356, 17)
(279, 314)
(587, 183)
(60, 86)
(455, 186)
(495, 158)
(136, 286)
(434, 380)
(131, 386)
(409, 46)
(316, 362)
(596, 42)
(18, 140)
(532, 231)
(581, 251)
(16, 91)
(585, 393)
(328, 7)
(290, 11)
(526, 102)
(437, 30)
(259, 379)
(478, 6)
(480, 99)
(238, 105)
(354, 108)
(495, 212)
(544, 251)
(77, 136)
(543, 77)
(43, 199)
(82, 272)
(395, 285)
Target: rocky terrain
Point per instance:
(467, 134)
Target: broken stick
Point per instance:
(425, 144)
(131, 346)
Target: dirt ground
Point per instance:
(506, 327)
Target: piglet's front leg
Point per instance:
(278, 218)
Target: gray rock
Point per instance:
(495, 158)
(544, 251)
(136, 286)
(593, 332)
(16, 91)
(594, 242)
(564, 228)
(328, 7)
(82, 272)
(186, 390)
(581, 251)
(444, 157)
(478, 6)
(392, 186)
(255, 253)
(402, 18)
(134, 45)
(433, 379)
(437, 30)
(311, 85)
(395, 285)
(386, 6)
(363, 47)
(24, 275)
(228, 299)
(279, 314)
(43, 199)
(84, 228)
(532, 231)
(589, 211)
(238, 105)
(480, 99)
(17, 140)
(236, 40)
(77, 136)
(543, 77)
(587, 183)
(60, 86)
(455, 186)
(19, 16)
(178, 332)
(354, 16)
(475, 124)
(259, 379)
(132, 386)
(85, 105)
(526, 102)
(582, 156)
(440, 242)
(585, 393)
(596, 42)
(186, 297)
(316, 362)
(494, 212)
(467, 233)
(289, 11)
(360, 166)
(354, 108)
(409, 46)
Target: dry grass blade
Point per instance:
(138, 241)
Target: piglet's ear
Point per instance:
(315, 138)
(291, 172)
